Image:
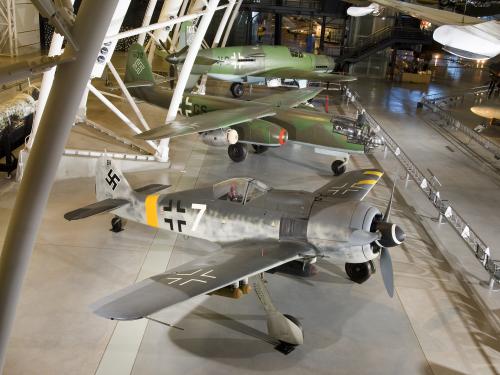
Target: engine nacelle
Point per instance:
(220, 137)
(332, 229)
(262, 132)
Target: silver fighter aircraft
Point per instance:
(258, 229)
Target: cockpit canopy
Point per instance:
(240, 190)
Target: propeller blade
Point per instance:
(389, 205)
(361, 237)
(386, 271)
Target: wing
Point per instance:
(290, 98)
(305, 74)
(434, 16)
(198, 277)
(208, 121)
(350, 185)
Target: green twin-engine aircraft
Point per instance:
(259, 64)
(265, 122)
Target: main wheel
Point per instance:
(237, 152)
(259, 149)
(358, 272)
(338, 167)
(237, 89)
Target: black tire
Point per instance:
(358, 272)
(237, 89)
(338, 167)
(259, 149)
(444, 3)
(116, 224)
(237, 152)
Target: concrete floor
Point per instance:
(435, 324)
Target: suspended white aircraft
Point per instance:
(461, 35)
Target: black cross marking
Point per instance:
(169, 207)
(112, 180)
(170, 221)
(178, 209)
(180, 223)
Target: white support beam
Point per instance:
(223, 23)
(47, 80)
(185, 71)
(147, 19)
(175, 36)
(119, 113)
(159, 25)
(129, 98)
(71, 78)
(169, 10)
(231, 21)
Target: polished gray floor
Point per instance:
(433, 325)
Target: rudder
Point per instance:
(110, 182)
(138, 68)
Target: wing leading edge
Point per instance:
(201, 276)
(208, 121)
(351, 185)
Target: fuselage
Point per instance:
(304, 126)
(236, 211)
(248, 63)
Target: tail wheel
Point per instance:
(359, 272)
(116, 224)
(237, 89)
(237, 152)
(259, 149)
(338, 167)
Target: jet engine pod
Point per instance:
(262, 132)
(220, 137)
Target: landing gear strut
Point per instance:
(237, 152)
(286, 329)
(359, 272)
(339, 167)
(116, 224)
(259, 149)
(237, 89)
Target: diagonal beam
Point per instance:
(70, 81)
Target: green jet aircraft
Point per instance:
(259, 64)
(265, 122)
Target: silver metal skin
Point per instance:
(258, 228)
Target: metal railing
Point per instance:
(389, 33)
(445, 207)
(434, 104)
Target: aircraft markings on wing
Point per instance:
(258, 229)
(265, 122)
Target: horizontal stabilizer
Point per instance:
(151, 188)
(95, 208)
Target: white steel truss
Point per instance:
(8, 29)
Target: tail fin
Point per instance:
(110, 182)
(138, 68)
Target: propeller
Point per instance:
(390, 235)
